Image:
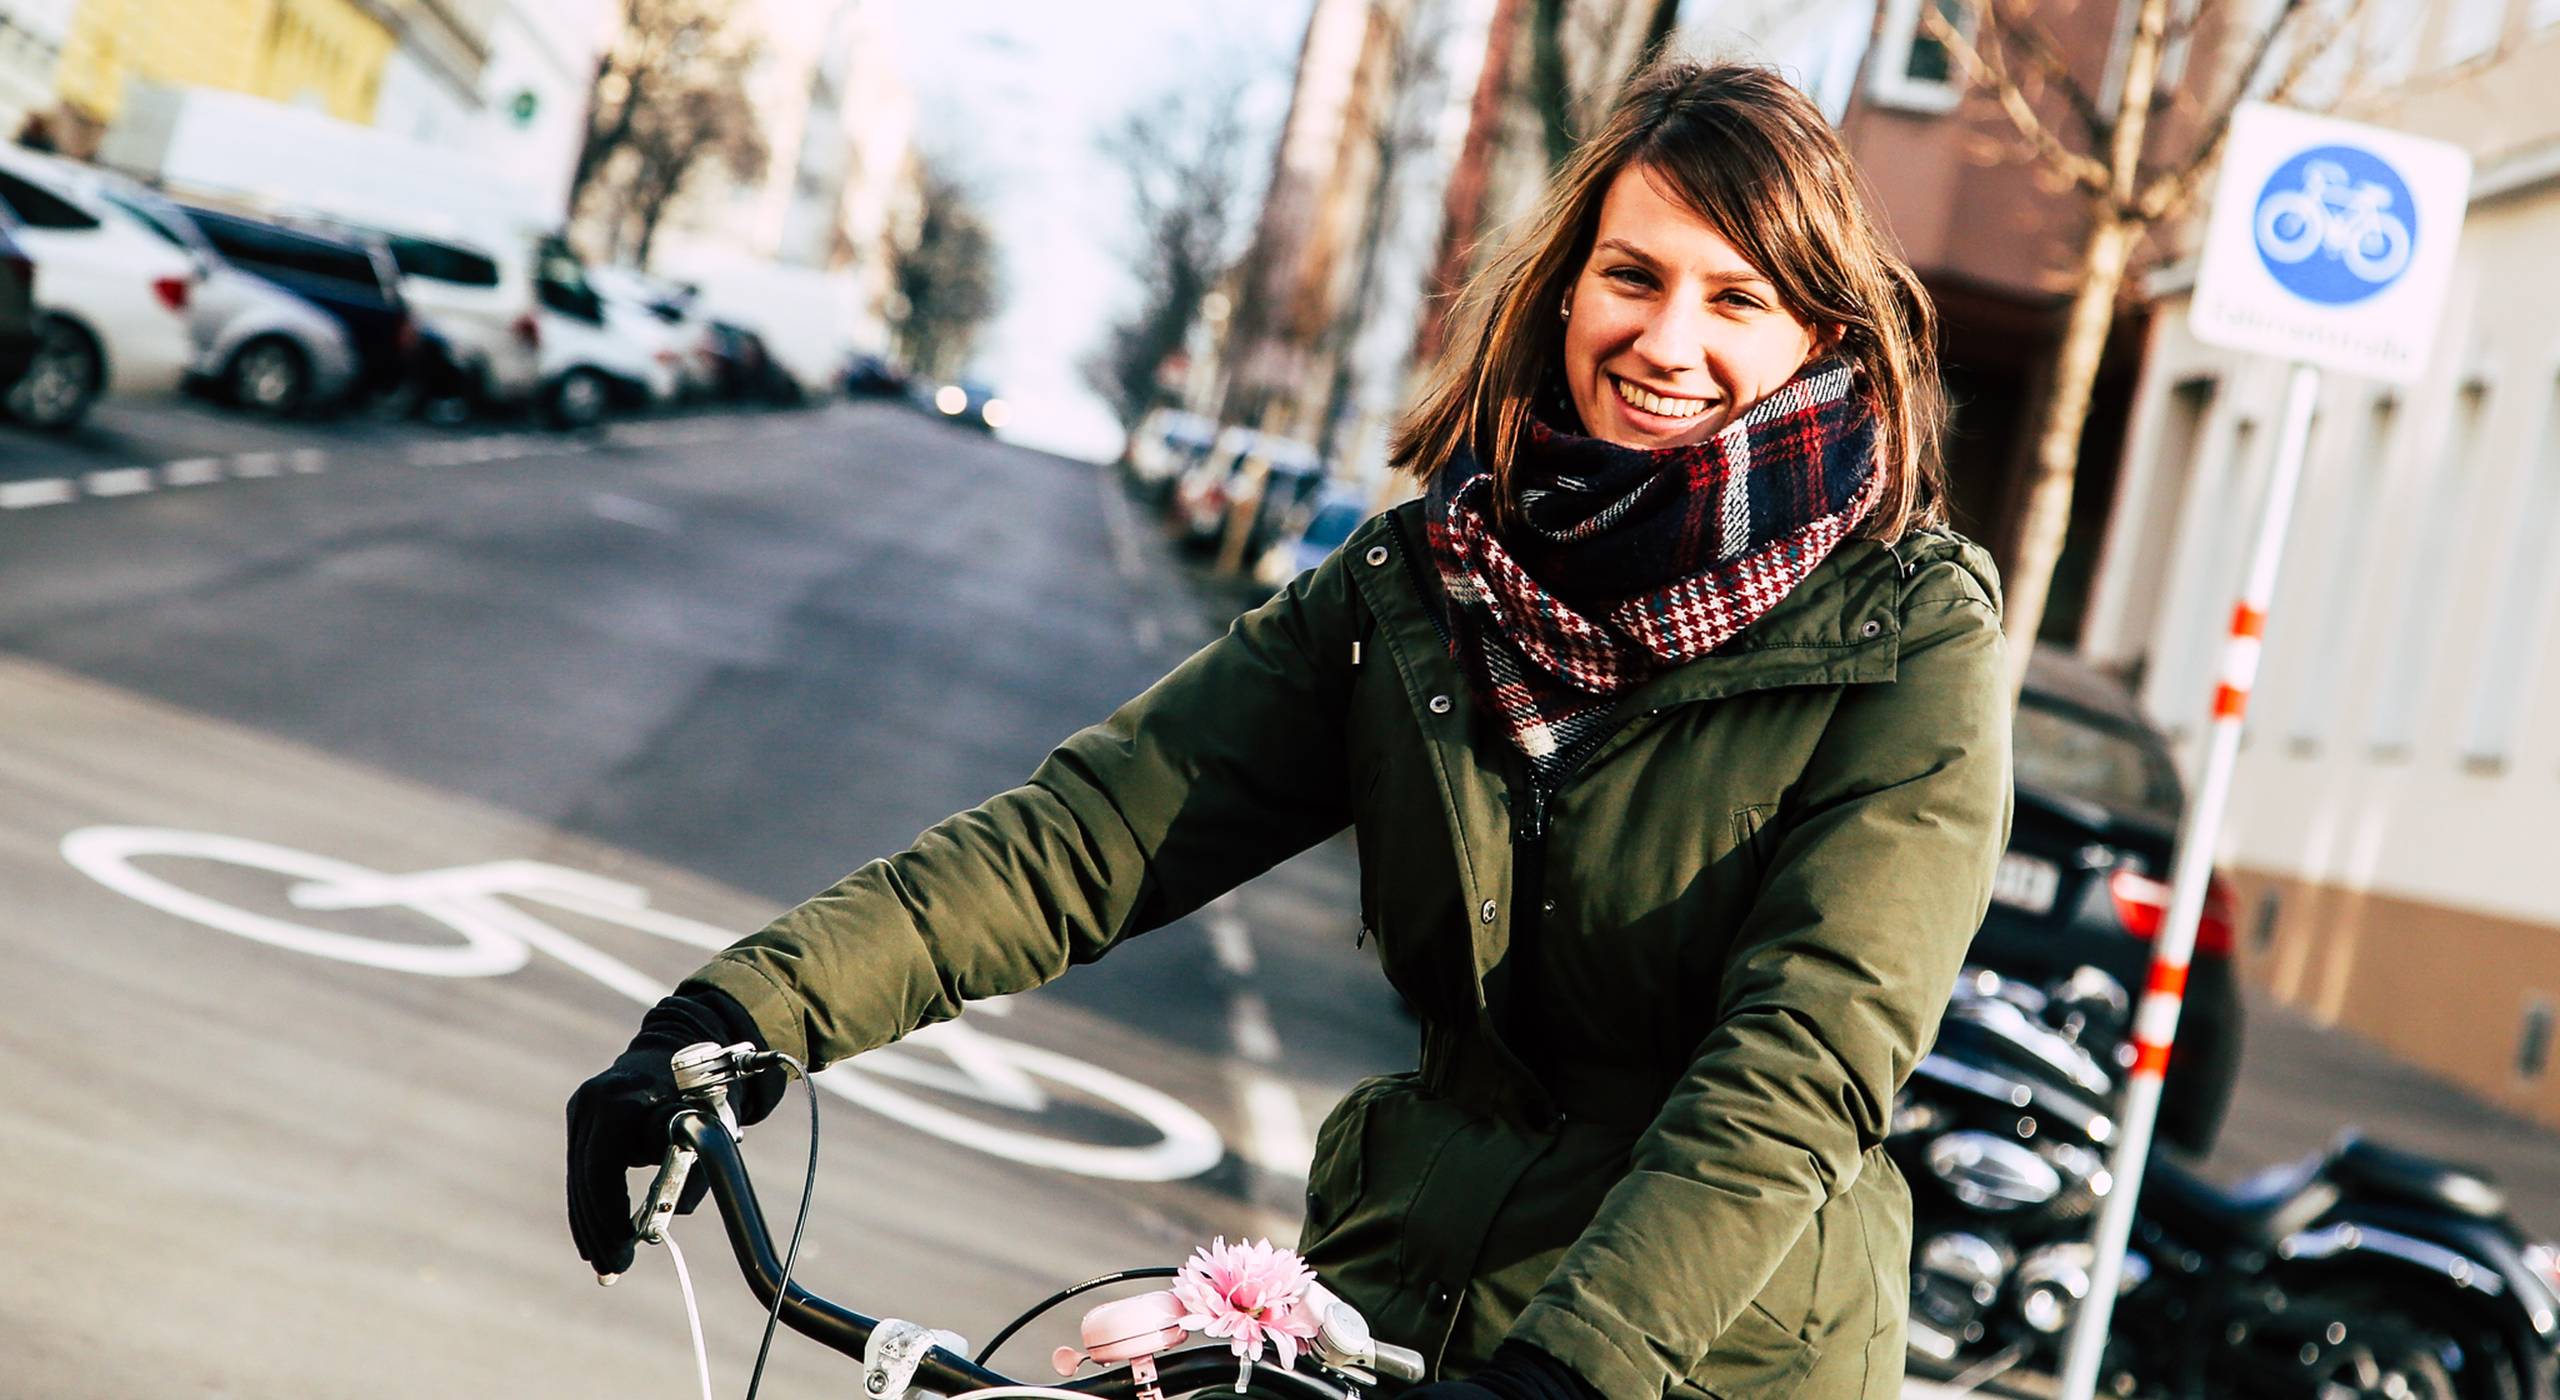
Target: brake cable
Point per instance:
(808, 1188)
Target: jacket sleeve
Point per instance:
(1224, 768)
(1830, 996)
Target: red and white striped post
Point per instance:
(2155, 1022)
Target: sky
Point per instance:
(1019, 91)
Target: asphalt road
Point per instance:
(358, 782)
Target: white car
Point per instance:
(662, 319)
(115, 296)
(258, 345)
(523, 326)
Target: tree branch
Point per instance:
(2022, 30)
(2169, 194)
(1991, 75)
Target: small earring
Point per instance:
(1566, 310)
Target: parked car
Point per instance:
(868, 376)
(969, 402)
(257, 345)
(1312, 533)
(113, 296)
(17, 307)
(2085, 878)
(748, 371)
(1165, 444)
(524, 327)
(350, 277)
(659, 318)
(1206, 493)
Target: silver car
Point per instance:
(257, 345)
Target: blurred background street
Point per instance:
(499, 497)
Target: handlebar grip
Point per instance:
(1399, 1363)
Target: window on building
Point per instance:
(2520, 607)
(2409, 661)
(2330, 625)
(1913, 70)
(2533, 1043)
(2471, 28)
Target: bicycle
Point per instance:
(1134, 1341)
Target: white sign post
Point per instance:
(2329, 244)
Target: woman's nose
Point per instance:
(1674, 335)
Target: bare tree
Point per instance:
(668, 96)
(947, 283)
(1180, 154)
(2104, 154)
(1565, 106)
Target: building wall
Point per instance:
(329, 55)
(31, 38)
(2401, 777)
(542, 54)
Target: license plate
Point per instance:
(2026, 883)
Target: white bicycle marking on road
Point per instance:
(479, 903)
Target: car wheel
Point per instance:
(63, 381)
(269, 375)
(578, 400)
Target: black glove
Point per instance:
(1518, 1371)
(618, 1120)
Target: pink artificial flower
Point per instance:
(1246, 1293)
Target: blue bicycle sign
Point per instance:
(2335, 225)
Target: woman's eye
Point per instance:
(1629, 276)
(1744, 300)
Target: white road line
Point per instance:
(309, 460)
(1116, 523)
(119, 481)
(1276, 1139)
(43, 491)
(194, 471)
(1149, 632)
(639, 514)
(256, 464)
(1249, 1021)
(1232, 943)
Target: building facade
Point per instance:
(32, 33)
(2401, 775)
(327, 55)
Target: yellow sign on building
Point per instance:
(327, 55)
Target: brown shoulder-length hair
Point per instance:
(1754, 158)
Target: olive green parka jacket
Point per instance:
(1664, 1011)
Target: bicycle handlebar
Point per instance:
(843, 1330)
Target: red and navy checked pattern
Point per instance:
(1666, 555)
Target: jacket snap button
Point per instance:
(1872, 627)
(1440, 704)
(1546, 906)
(1377, 555)
(1487, 911)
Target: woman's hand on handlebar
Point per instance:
(618, 1119)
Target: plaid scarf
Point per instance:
(1628, 562)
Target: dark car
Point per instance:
(17, 308)
(744, 369)
(2085, 878)
(970, 402)
(352, 279)
(872, 377)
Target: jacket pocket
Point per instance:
(1334, 1177)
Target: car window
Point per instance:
(151, 218)
(38, 207)
(265, 248)
(2061, 750)
(444, 262)
(1334, 524)
(560, 280)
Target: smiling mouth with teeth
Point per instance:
(1656, 404)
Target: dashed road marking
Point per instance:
(193, 471)
(309, 460)
(251, 465)
(1276, 1137)
(119, 481)
(639, 514)
(43, 491)
(1228, 938)
(1249, 1021)
(1149, 632)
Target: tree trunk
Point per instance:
(2047, 516)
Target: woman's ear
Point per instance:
(1827, 337)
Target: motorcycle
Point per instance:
(2361, 1270)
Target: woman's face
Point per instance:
(1673, 333)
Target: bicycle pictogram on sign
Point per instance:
(2335, 225)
